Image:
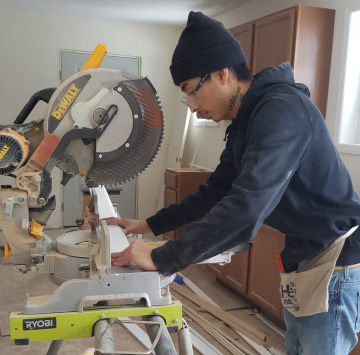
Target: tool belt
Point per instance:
(304, 292)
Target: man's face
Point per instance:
(207, 97)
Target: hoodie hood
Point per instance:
(265, 82)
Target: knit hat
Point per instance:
(204, 46)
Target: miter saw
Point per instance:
(107, 126)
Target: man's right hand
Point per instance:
(130, 225)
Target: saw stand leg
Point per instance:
(185, 343)
(165, 345)
(104, 339)
(54, 347)
(158, 334)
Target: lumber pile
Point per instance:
(237, 330)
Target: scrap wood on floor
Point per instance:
(238, 327)
(237, 324)
(237, 334)
(228, 342)
(208, 327)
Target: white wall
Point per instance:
(258, 8)
(30, 43)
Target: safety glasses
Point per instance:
(189, 99)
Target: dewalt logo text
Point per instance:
(3, 151)
(66, 102)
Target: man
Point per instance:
(279, 168)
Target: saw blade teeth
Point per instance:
(140, 155)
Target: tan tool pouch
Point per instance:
(305, 292)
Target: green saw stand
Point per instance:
(97, 321)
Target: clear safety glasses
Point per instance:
(190, 99)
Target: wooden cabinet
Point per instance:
(302, 36)
(236, 273)
(180, 183)
(255, 274)
(274, 38)
(245, 34)
(263, 271)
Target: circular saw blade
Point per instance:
(143, 142)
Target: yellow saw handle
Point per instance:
(95, 58)
(93, 62)
(7, 251)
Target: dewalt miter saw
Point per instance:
(106, 125)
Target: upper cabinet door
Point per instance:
(273, 40)
(245, 34)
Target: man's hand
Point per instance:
(138, 253)
(130, 225)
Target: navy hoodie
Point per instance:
(279, 168)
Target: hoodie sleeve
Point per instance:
(277, 140)
(196, 205)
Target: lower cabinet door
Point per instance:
(217, 270)
(264, 274)
(236, 272)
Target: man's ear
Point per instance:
(222, 75)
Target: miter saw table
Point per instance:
(76, 307)
(93, 292)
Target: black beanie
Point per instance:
(204, 46)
